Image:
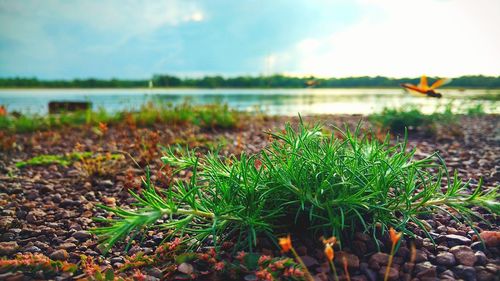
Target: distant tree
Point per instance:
(273, 81)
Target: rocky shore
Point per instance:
(49, 209)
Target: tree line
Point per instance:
(274, 81)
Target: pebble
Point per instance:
(464, 255)
(481, 257)
(41, 245)
(109, 201)
(82, 235)
(491, 238)
(71, 240)
(185, 268)
(12, 276)
(309, 261)
(47, 188)
(73, 173)
(66, 203)
(393, 273)
(35, 216)
(377, 260)
(352, 260)
(477, 246)
(492, 267)
(155, 272)
(468, 273)
(484, 275)
(370, 274)
(8, 248)
(67, 246)
(56, 198)
(32, 249)
(454, 240)
(447, 274)
(105, 183)
(60, 255)
(425, 269)
(446, 259)
(421, 256)
(21, 214)
(117, 259)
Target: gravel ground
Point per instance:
(49, 209)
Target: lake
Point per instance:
(270, 101)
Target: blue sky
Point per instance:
(135, 39)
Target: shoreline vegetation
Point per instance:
(204, 116)
(238, 82)
(221, 116)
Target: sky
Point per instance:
(66, 39)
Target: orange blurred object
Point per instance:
(331, 241)
(329, 252)
(395, 236)
(285, 243)
(423, 87)
(103, 127)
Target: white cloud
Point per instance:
(126, 17)
(401, 38)
(196, 16)
(109, 24)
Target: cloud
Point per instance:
(113, 15)
(55, 34)
(402, 38)
(133, 38)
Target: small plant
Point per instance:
(94, 272)
(36, 262)
(48, 159)
(397, 120)
(98, 164)
(475, 110)
(7, 141)
(346, 270)
(305, 180)
(88, 162)
(330, 254)
(489, 96)
(286, 246)
(395, 237)
(411, 118)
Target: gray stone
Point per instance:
(82, 235)
(60, 255)
(468, 273)
(454, 240)
(464, 255)
(446, 259)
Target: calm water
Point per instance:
(271, 101)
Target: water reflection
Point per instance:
(271, 101)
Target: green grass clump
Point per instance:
(397, 120)
(63, 160)
(410, 117)
(304, 182)
(48, 159)
(489, 96)
(476, 110)
(205, 116)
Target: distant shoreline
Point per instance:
(230, 88)
(277, 81)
